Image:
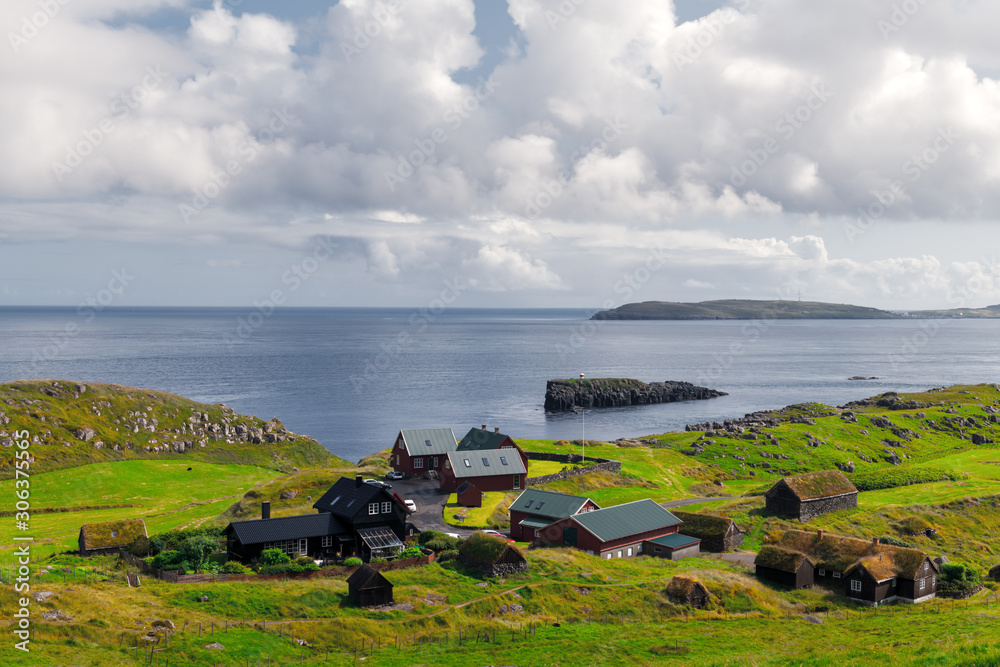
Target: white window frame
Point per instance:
(327, 541)
(836, 575)
(397, 459)
(619, 553)
(303, 546)
(630, 551)
(418, 462)
(934, 580)
(401, 444)
(608, 556)
(923, 582)
(855, 586)
(822, 572)
(372, 509)
(386, 508)
(434, 462)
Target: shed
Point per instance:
(717, 533)
(784, 566)
(366, 587)
(689, 591)
(469, 495)
(804, 497)
(672, 547)
(108, 537)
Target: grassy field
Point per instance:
(166, 495)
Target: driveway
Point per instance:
(430, 501)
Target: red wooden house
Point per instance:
(621, 531)
(488, 470)
(480, 439)
(535, 509)
(421, 450)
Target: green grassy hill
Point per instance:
(72, 424)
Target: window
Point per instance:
(517, 482)
(934, 580)
(540, 505)
(822, 572)
(619, 553)
(434, 462)
(400, 444)
(925, 566)
(608, 556)
(836, 575)
(114, 533)
(386, 508)
(538, 534)
(630, 551)
(923, 582)
(638, 549)
(486, 462)
(418, 462)
(327, 541)
(303, 546)
(855, 585)
(288, 547)
(397, 459)
(527, 505)
(372, 508)
(427, 442)
(468, 464)
(503, 460)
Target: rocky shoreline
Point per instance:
(561, 395)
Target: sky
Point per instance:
(527, 153)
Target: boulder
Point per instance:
(85, 433)
(289, 494)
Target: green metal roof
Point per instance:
(535, 523)
(478, 439)
(434, 441)
(612, 523)
(675, 541)
(547, 503)
(486, 463)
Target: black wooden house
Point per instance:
(374, 516)
(366, 587)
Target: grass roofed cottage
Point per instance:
(535, 509)
(689, 591)
(784, 566)
(421, 450)
(106, 538)
(717, 533)
(492, 556)
(488, 470)
(623, 531)
(804, 497)
(870, 571)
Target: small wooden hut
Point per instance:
(469, 495)
(689, 591)
(366, 587)
(784, 566)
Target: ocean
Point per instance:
(352, 378)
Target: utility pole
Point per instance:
(583, 412)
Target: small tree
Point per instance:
(140, 546)
(197, 549)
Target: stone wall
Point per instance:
(562, 458)
(493, 569)
(610, 466)
(959, 595)
(810, 509)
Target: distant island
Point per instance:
(747, 309)
(616, 392)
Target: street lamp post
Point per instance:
(583, 412)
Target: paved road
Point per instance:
(430, 501)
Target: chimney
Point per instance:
(357, 481)
(484, 427)
(265, 509)
(874, 541)
(820, 533)
(496, 429)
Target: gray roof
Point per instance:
(478, 439)
(434, 441)
(258, 531)
(486, 463)
(612, 523)
(548, 503)
(675, 541)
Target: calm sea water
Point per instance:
(353, 377)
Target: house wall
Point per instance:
(247, 553)
(871, 591)
(782, 501)
(403, 462)
(589, 542)
(909, 589)
(528, 534)
(472, 497)
(801, 578)
(504, 482)
(810, 509)
(660, 551)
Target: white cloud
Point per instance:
(500, 269)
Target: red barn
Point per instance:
(535, 509)
(421, 450)
(621, 531)
(490, 470)
(480, 439)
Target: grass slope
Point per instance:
(131, 423)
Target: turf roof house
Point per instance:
(624, 531)
(784, 566)
(689, 591)
(481, 439)
(354, 519)
(98, 539)
(535, 509)
(717, 534)
(419, 451)
(488, 470)
(804, 497)
(871, 572)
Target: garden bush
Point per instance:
(166, 560)
(141, 547)
(959, 578)
(353, 561)
(274, 557)
(429, 535)
(443, 543)
(412, 552)
(235, 567)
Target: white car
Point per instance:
(378, 482)
(410, 505)
(394, 474)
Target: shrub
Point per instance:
(212, 567)
(895, 541)
(429, 535)
(140, 547)
(445, 556)
(275, 569)
(197, 549)
(959, 578)
(235, 567)
(274, 557)
(443, 543)
(174, 540)
(353, 561)
(378, 560)
(166, 560)
(304, 560)
(891, 478)
(411, 552)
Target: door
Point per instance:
(303, 546)
(569, 536)
(517, 482)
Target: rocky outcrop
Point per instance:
(615, 392)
